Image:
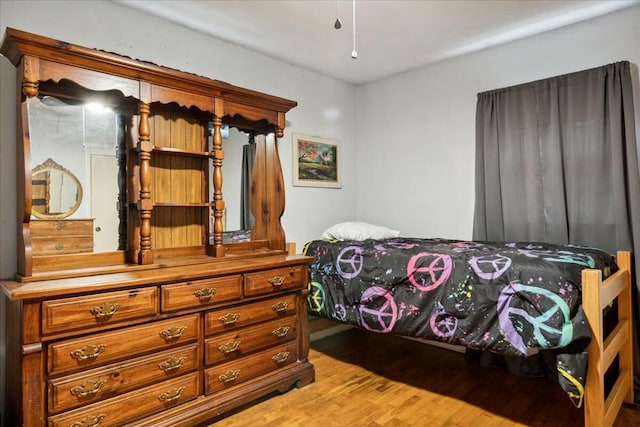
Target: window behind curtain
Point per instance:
(556, 161)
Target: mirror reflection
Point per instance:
(57, 193)
(83, 140)
(239, 150)
(233, 147)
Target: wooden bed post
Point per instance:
(596, 295)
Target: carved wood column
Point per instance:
(281, 125)
(29, 87)
(145, 204)
(217, 203)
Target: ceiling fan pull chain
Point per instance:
(354, 53)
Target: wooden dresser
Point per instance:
(176, 327)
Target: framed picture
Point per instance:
(316, 162)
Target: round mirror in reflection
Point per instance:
(56, 192)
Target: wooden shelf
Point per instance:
(180, 205)
(181, 152)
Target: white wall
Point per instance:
(325, 106)
(416, 131)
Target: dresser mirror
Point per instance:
(82, 182)
(239, 152)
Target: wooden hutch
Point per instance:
(172, 326)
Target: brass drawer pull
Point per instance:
(173, 333)
(105, 310)
(229, 318)
(277, 281)
(88, 352)
(90, 421)
(280, 307)
(205, 294)
(59, 246)
(172, 364)
(280, 357)
(171, 395)
(229, 376)
(87, 388)
(229, 347)
(280, 332)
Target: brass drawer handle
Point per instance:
(205, 294)
(280, 357)
(276, 281)
(105, 310)
(280, 307)
(90, 421)
(229, 376)
(172, 364)
(229, 318)
(229, 347)
(87, 388)
(171, 395)
(59, 246)
(173, 333)
(280, 332)
(88, 352)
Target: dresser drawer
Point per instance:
(201, 293)
(61, 228)
(51, 237)
(228, 374)
(275, 280)
(249, 314)
(62, 246)
(98, 309)
(97, 384)
(133, 405)
(98, 349)
(223, 347)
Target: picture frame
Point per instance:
(316, 162)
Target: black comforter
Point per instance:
(516, 299)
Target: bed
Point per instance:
(517, 299)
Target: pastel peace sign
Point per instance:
(427, 271)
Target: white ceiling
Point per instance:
(391, 36)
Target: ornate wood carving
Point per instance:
(217, 202)
(145, 204)
(55, 68)
(31, 76)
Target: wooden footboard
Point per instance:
(600, 409)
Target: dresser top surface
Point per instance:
(135, 275)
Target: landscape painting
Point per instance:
(316, 162)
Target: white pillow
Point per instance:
(355, 230)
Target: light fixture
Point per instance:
(337, 25)
(98, 108)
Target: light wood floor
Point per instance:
(367, 379)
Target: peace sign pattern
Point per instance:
(510, 298)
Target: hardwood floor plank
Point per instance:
(374, 380)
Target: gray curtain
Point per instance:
(557, 161)
(248, 156)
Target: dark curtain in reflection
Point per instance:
(557, 161)
(248, 156)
